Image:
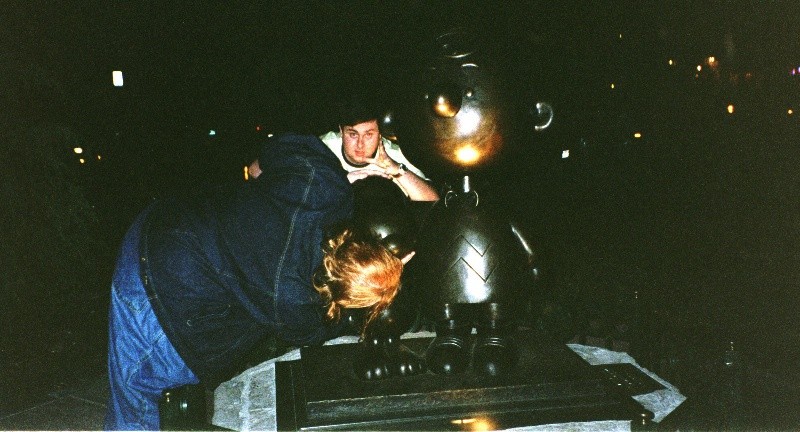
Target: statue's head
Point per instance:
(463, 109)
(381, 210)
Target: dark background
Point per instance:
(695, 224)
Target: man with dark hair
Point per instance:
(364, 152)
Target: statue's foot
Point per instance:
(405, 362)
(377, 362)
(371, 363)
(448, 355)
(495, 355)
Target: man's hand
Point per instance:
(384, 162)
(363, 173)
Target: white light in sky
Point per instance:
(212, 132)
(564, 154)
(116, 76)
(78, 150)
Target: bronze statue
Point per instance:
(473, 265)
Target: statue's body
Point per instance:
(473, 267)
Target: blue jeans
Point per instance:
(141, 360)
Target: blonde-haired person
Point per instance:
(358, 273)
(201, 281)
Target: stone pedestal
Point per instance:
(551, 385)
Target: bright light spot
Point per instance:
(712, 60)
(671, 63)
(620, 35)
(482, 424)
(790, 111)
(82, 160)
(116, 77)
(78, 150)
(258, 128)
(99, 157)
(246, 172)
(475, 424)
(467, 154)
(699, 68)
(463, 421)
(637, 135)
(270, 135)
(212, 132)
(613, 85)
(730, 108)
(468, 121)
(564, 154)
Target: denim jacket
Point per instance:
(226, 268)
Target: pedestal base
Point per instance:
(551, 385)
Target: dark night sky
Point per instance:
(243, 61)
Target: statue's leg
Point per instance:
(449, 350)
(495, 348)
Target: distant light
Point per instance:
(711, 60)
(790, 111)
(620, 35)
(637, 134)
(212, 132)
(78, 150)
(99, 157)
(116, 77)
(246, 172)
(270, 135)
(82, 160)
(699, 68)
(730, 108)
(258, 128)
(671, 63)
(613, 85)
(564, 154)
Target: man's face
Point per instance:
(360, 141)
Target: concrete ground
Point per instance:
(79, 408)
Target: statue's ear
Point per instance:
(408, 257)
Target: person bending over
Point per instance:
(200, 281)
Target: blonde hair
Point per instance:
(357, 273)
